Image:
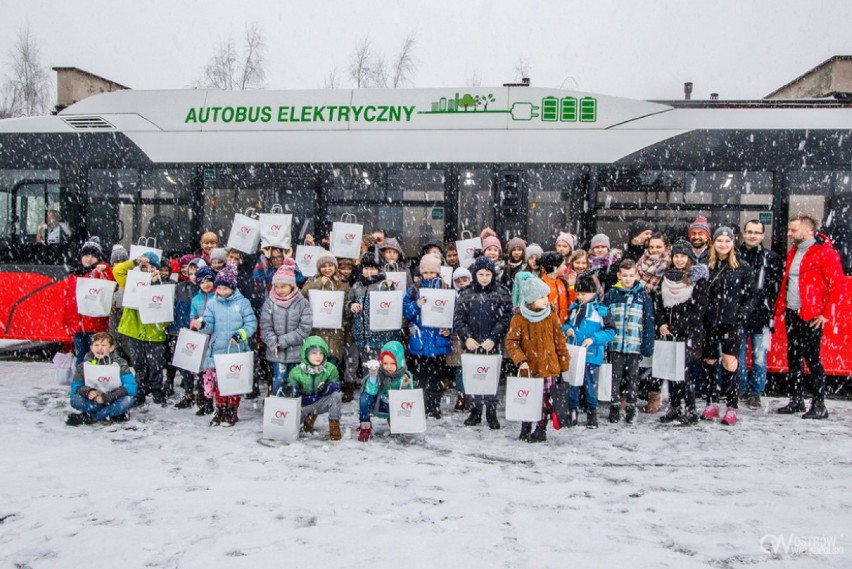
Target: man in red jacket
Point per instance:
(809, 298)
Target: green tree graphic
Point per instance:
(484, 100)
(467, 101)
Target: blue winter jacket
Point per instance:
(483, 313)
(224, 317)
(424, 340)
(128, 381)
(632, 312)
(199, 303)
(590, 320)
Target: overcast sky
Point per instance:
(634, 48)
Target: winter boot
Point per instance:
(817, 411)
(689, 419)
(671, 416)
(308, 423)
(630, 414)
(218, 417)
(730, 417)
(710, 412)
(475, 417)
(753, 402)
(793, 407)
(573, 418)
(348, 391)
(614, 413)
(539, 435)
(334, 430)
(364, 432)
(467, 403)
(77, 419)
(205, 405)
(187, 401)
(491, 418)
(654, 405)
(433, 405)
(592, 418)
(230, 418)
(123, 418)
(459, 403)
(526, 431)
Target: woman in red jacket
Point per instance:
(81, 328)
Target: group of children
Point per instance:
(525, 304)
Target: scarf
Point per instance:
(675, 291)
(312, 370)
(534, 316)
(367, 281)
(599, 263)
(283, 301)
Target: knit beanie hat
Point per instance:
(586, 283)
(490, 239)
(638, 226)
(185, 260)
(550, 261)
(323, 259)
(392, 243)
(92, 247)
(516, 243)
(287, 273)
(431, 242)
(153, 259)
(430, 264)
(533, 249)
(682, 247)
(700, 224)
(600, 239)
(726, 231)
(204, 272)
(461, 272)
(227, 277)
(483, 262)
(532, 289)
(219, 253)
(119, 254)
(569, 238)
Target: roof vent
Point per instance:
(88, 123)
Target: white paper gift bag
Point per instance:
(275, 227)
(481, 373)
(306, 259)
(245, 234)
(138, 283)
(104, 378)
(406, 411)
(346, 237)
(605, 382)
(399, 278)
(669, 361)
(64, 367)
(439, 307)
(466, 249)
(386, 310)
(144, 245)
(524, 397)
(327, 308)
(94, 297)
(447, 275)
(157, 304)
(281, 418)
(234, 372)
(190, 347)
(577, 370)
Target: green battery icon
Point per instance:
(569, 109)
(550, 109)
(588, 109)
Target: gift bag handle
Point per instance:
(276, 208)
(250, 212)
(466, 231)
(146, 241)
(528, 372)
(348, 218)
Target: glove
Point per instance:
(237, 337)
(322, 388)
(291, 391)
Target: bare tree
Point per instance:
(475, 79)
(332, 80)
(360, 69)
(368, 69)
(28, 91)
(405, 64)
(522, 68)
(379, 74)
(227, 69)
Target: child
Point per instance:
(146, 342)
(165, 270)
(481, 320)
(389, 373)
(536, 345)
(604, 264)
(552, 268)
(345, 267)
(589, 325)
(452, 255)
(316, 381)
(532, 254)
(184, 293)
(230, 321)
(393, 257)
(565, 244)
(461, 279)
(428, 346)
(206, 294)
(632, 312)
(285, 322)
(82, 328)
(577, 264)
(654, 262)
(680, 303)
(94, 405)
(218, 259)
(492, 249)
(515, 261)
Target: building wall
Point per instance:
(76, 85)
(834, 77)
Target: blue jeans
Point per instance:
(102, 412)
(753, 382)
(366, 403)
(279, 376)
(590, 384)
(82, 345)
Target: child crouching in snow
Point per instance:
(389, 373)
(536, 345)
(317, 382)
(96, 405)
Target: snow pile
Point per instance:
(166, 490)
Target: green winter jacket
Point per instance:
(308, 382)
(130, 324)
(379, 386)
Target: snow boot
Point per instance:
(187, 401)
(671, 416)
(710, 412)
(753, 402)
(491, 418)
(654, 405)
(614, 413)
(475, 417)
(123, 418)
(794, 406)
(630, 414)
(467, 403)
(308, 423)
(730, 417)
(348, 391)
(218, 417)
(77, 419)
(539, 435)
(433, 404)
(573, 418)
(592, 418)
(459, 403)
(205, 405)
(526, 431)
(689, 419)
(334, 430)
(364, 432)
(817, 411)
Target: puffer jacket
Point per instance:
(591, 320)
(224, 317)
(483, 313)
(73, 321)
(380, 388)
(632, 312)
(361, 333)
(821, 281)
(285, 329)
(307, 382)
(131, 325)
(334, 338)
(540, 344)
(686, 319)
(424, 340)
(730, 296)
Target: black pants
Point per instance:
(429, 376)
(147, 359)
(625, 376)
(683, 392)
(803, 342)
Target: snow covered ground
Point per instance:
(166, 490)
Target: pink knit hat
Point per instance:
(286, 274)
(490, 239)
(430, 264)
(569, 238)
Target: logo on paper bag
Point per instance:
(439, 305)
(349, 237)
(245, 230)
(279, 418)
(156, 301)
(405, 409)
(522, 397)
(327, 307)
(274, 228)
(384, 307)
(189, 349)
(103, 379)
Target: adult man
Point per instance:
(638, 234)
(52, 231)
(699, 237)
(810, 295)
(768, 270)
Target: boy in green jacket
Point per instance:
(317, 382)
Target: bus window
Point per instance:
(827, 197)
(555, 204)
(476, 202)
(39, 218)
